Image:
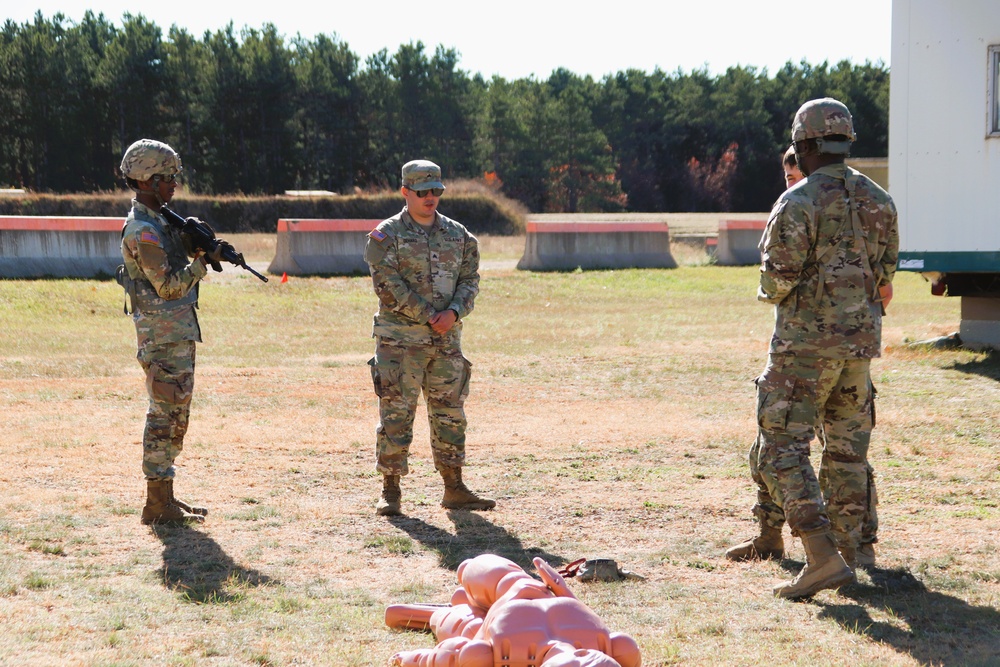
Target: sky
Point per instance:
(518, 38)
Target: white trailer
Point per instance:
(944, 152)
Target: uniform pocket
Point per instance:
(775, 399)
(467, 373)
(385, 378)
(375, 377)
(872, 395)
(169, 386)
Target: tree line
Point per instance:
(253, 112)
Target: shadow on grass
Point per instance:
(988, 366)
(196, 567)
(791, 566)
(934, 628)
(474, 535)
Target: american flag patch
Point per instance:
(149, 237)
(377, 235)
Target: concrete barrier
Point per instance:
(704, 242)
(321, 247)
(59, 247)
(738, 241)
(560, 246)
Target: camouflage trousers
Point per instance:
(796, 396)
(400, 372)
(169, 372)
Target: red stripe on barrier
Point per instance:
(317, 225)
(595, 227)
(730, 225)
(60, 224)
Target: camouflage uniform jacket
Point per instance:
(161, 282)
(822, 264)
(418, 272)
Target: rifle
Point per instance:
(203, 238)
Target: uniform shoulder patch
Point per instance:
(149, 237)
(378, 235)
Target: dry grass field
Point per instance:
(610, 414)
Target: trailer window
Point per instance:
(993, 125)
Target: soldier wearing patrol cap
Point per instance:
(425, 271)
(828, 259)
(161, 281)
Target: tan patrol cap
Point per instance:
(422, 175)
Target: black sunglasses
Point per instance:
(165, 178)
(437, 192)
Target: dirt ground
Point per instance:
(620, 434)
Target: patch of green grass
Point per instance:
(288, 605)
(36, 581)
(262, 659)
(393, 544)
(974, 513)
(46, 548)
(255, 513)
(702, 565)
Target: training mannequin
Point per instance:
(503, 616)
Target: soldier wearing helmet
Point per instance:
(827, 123)
(769, 543)
(160, 277)
(828, 257)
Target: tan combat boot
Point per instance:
(159, 509)
(866, 556)
(190, 509)
(850, 556)
(766, 546)
(388, 504)
(457, 496)
(825, 567)
(862, 556)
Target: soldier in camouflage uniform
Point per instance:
(425, 270)
(162, 287)
(828, 258)
(769, 544)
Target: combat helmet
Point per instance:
(147, 158)
(821, 118)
